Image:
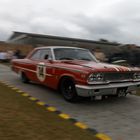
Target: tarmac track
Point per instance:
(117, 117)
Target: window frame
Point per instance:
(41, 50)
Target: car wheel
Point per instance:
(67, 89)
(24, 78)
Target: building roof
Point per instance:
(23, 35)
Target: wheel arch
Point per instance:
(65, 77)
(23, 74)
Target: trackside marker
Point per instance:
(19, 91)
(33, 98)
(3, 82)
(81, 125)
(52, 109)
(15, 88)
(102, 136)
(10, 86)
(64, 116)
(25, 94)
(40, 103)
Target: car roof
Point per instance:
(53, 47)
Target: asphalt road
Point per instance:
(118, 118)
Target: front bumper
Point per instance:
(106, 89)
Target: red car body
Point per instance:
(81, 76)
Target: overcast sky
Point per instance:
(114, 20)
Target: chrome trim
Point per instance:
(110, 89)
(108, 78)
(99, 83)
(53, 56)
(113, 85)
(136, 80)
(116, 81)
(95, 81)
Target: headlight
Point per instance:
(136, 75)
(95, 77)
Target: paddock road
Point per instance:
(119, 118)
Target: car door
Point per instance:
(33, 60)
(44, 66)
(41, 67)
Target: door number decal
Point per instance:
(41, 71)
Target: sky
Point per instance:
(113, 20)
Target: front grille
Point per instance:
(118, 76)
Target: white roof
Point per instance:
(53, 47)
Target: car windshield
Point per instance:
(73, 54)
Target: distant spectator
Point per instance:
(99, 55)
(17, 54)
(10, 55)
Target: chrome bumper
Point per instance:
(106, 89)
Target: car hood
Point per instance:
(97, 66)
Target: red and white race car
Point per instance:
(75, 72)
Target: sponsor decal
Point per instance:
(41, 71)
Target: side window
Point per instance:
(42, 54)
(36, 55)
(45, 54)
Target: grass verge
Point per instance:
(22, 119)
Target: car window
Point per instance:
(36, 55)
(42, 54)
(45, 54)
(73, 54)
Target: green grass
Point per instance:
(22, 119)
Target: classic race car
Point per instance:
(75, 72)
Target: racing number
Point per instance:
(41, 71)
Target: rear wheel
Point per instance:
(67, 89)
(24, 78)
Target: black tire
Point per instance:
(68, 90)
(24, 78)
